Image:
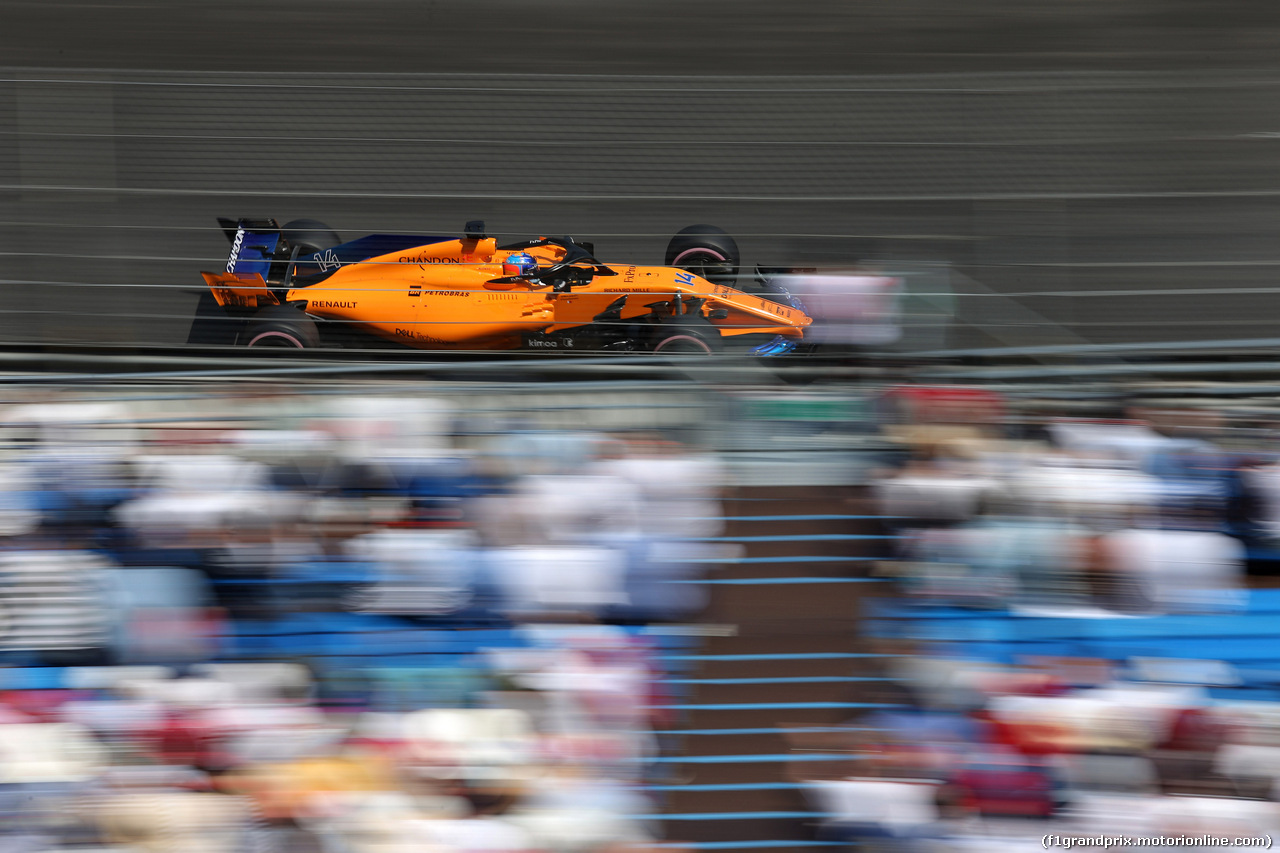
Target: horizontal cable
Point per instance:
(744, 197)
(1078, 349)
(833, 269)
(797, 83)
(431, 232)
(630, 142)
(534, 323)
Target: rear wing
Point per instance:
(253, 245)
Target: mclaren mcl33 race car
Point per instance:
(300, 286)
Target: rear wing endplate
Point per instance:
(240, 290)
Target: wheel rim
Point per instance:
(276, 340)
(683, 345)
(705, 263)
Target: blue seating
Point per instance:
(1246, 640)
(33, 678)
(1264, 600)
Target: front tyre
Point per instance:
(706, 251)
(687, 336)
(281, 327)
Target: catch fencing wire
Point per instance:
(109, 147)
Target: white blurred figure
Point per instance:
(54, 601)
(190, 495)
(874, 808)
(249, 733)
(962, 565)
(19, 509)
(1098, 490)
(1133, 441)
(261, 683)
(469, 743)
(598, 684)
(88, 438)
(566, 535)
(1263, 481)
(388, 428)
(1250, 752)
(198, 473)
(115, 720)
(574, 813)
(934, 491)
(478, 834)
(396, 822)
(1184, 567)
(175, 822)
(418, 572)
(48, 752)
(251, 712)
(579, 508)
(181, 694)
(677, 491)
(1219, 817)
(677, 502)
(302, 458)
(848, 308)
(76, 453)
(548, 580)
(1004, 558)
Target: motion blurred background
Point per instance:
(917, 605)
(1084, 172)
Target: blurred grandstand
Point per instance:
(492, 617)
(1005, 569)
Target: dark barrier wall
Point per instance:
(1059, 173)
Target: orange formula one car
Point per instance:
(299, 286)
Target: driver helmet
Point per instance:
(520, 264)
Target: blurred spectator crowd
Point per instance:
(374, 623)
(1075, 647)
(339, 624)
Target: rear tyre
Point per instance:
(212, 326)
(707, 252)
(281, 327)
(309, 235)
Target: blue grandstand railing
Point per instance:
(781, 656)
(775, 706)
(753, 758)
